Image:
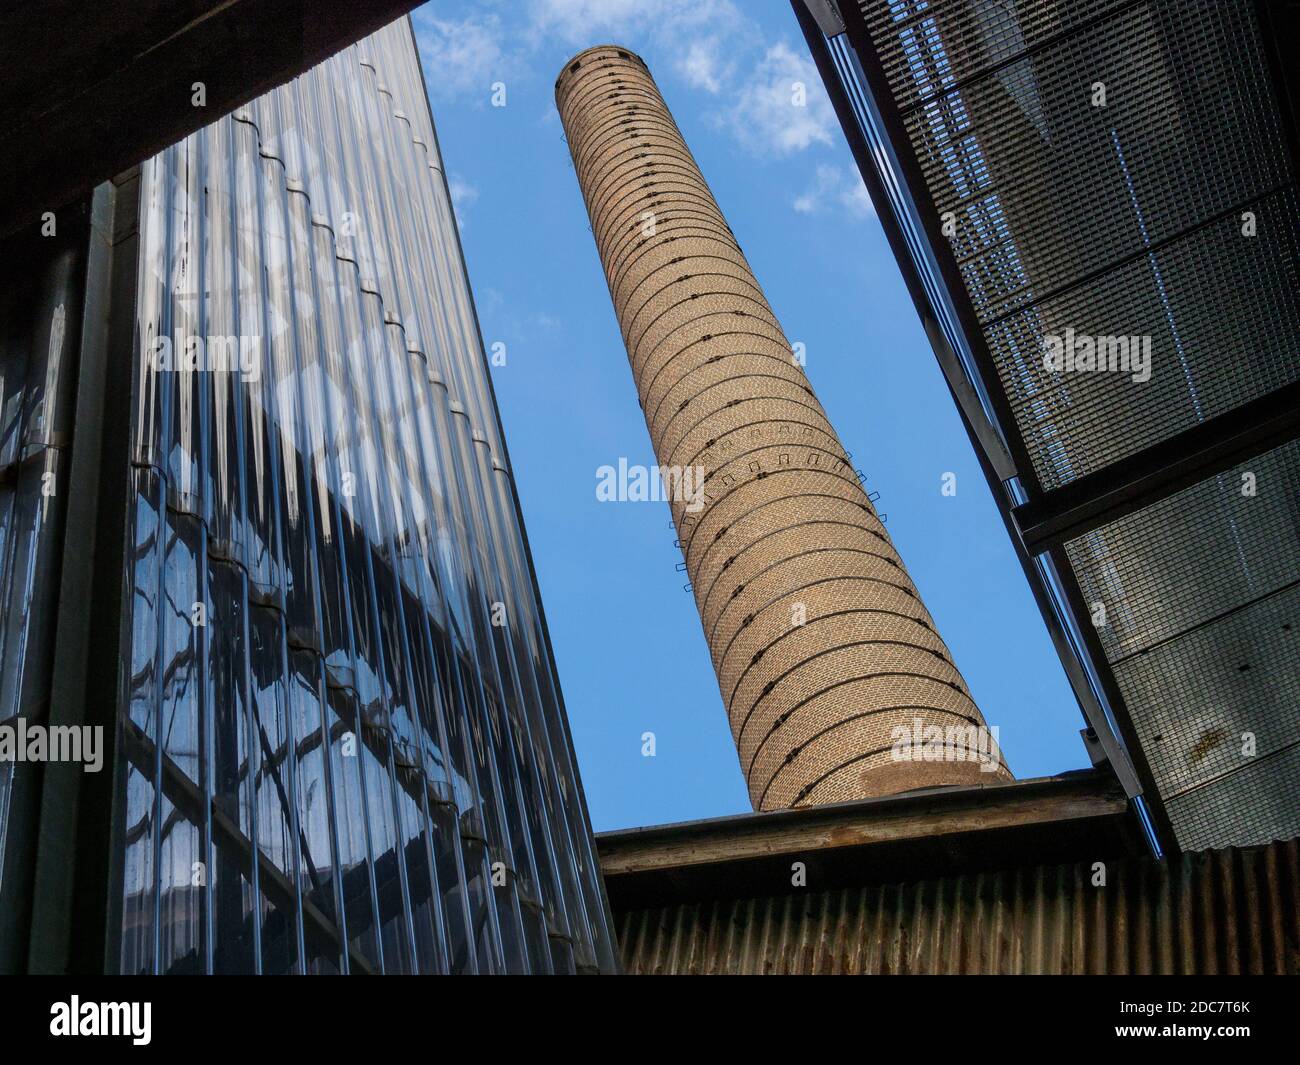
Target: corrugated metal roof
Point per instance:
(1215, 912)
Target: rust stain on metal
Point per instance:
(1210, 739)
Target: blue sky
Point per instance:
(631, 653)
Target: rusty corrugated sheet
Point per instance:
(1215, 912)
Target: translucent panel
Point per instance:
(343, 719)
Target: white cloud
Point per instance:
(460, 57)
(782, 108)
(702, 67)
(586, 22)
(857, 200)
(833, 188)
(462, 192)
(463, 56)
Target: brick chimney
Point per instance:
(835, 681)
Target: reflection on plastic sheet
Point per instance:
(335, 760)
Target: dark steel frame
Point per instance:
(75, 846)
(71, 862)
(56, 900)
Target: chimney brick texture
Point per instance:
(822, 646)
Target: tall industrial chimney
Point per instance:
(835, 681)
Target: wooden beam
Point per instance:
(943, 813)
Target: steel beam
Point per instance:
(1159, 471)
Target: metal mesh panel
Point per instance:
(1199, 599)
(1122, 167)
(1251, 804)
(1194, 556)
(821, 645)
(925, 46)
(1115, 217)
(1223, 324)
(1217, 699)
(1115, 184)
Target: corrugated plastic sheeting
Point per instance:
(342, 516)
(1230, 911)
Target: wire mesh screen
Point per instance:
(1208, 322)
(1116, 171)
